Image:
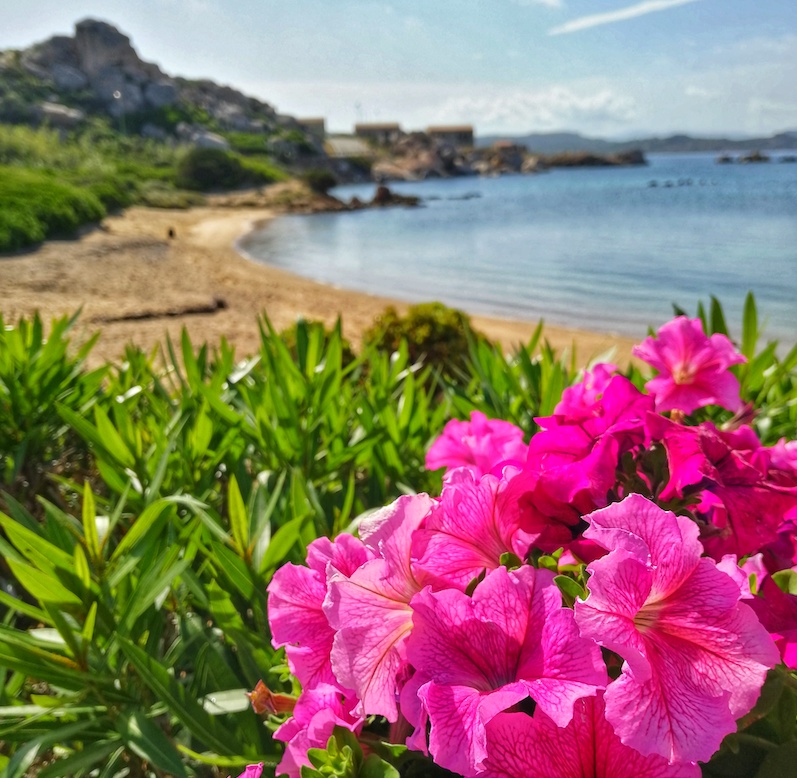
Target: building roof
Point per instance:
(313, 120)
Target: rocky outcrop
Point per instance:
(99, 65)
(417, 156)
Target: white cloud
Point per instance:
(555, 108)
(620, 15)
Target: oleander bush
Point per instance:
(147, 504)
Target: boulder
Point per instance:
(160, 93)
(58, 50)
(100, 45)
(60, 116)
(153, 132)
(209, 140)
(68, 77)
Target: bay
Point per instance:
(607, 249)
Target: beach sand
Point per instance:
(130, 267)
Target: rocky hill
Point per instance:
(65, 81)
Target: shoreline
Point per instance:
(129, 267)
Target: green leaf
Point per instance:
(239, 521)
(25, 756)
(80, 760)
(141, 528)
(148, 740)
(749, 326)
(281, 543)
(375, 767)
(90, 534)
(111, 439)
(569, 587)
(181, 702)
(780, 762)
(42, 586)
(35, 547)
(718, 323)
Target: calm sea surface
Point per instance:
(596, 248)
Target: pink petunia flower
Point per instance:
(467, 531)
(745, 508)
(521, 746)
(579, 401)
(579, 458)
(477, 656)
(695, 656)
(318, 711)
(778, 613)
(693, 368)
(296, 596)
(369, 609)
(479, 444)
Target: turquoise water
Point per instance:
(596, 248)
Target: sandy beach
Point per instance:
(132, 281)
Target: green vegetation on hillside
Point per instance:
(52, 184)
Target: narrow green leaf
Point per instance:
(181, 702)
(80, 760)
(718, 323)
(149, 741)
(26, 755)
(36, 548)
(282, 542)
(238, 519)
(141, 527)
(749, 326)
(42, 586)
(90, 533)
(112, 440)
(82, 569)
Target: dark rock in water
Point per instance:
(724, 159)
(788, 158)
(754, 156)
(384, 196)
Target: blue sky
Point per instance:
(616, 68)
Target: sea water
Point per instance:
(608, 249)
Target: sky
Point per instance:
(611, 68)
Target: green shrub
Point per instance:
(261, 169)
(28, 198)
(113, 193)
(434, 333)
(204, 169)
(319, 180)
(19, 228)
